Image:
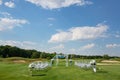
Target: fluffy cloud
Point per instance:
(117, 36)
(8, 22)
(50, 25)
(112, 45)
(88, 46)
(9, 4)
(0, 2)
(80, 33)
(51, 19)
(54, 4)
(60, 46)
(21, 44)
(5, 14)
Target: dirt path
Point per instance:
(109, 62)
(19, 61)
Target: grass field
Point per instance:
(19, 71)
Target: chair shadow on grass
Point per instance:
(102, 71)
(38, 74)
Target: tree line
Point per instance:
(13, 51)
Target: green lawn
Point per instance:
(19, 71)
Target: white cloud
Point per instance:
(0, 2)
(51, 19)
(72, 51)
(61, 37)
(8, 22)
(5, 14)
(88, 46)
(29, 42)
(55, 4)
(60, 46)
(112, 45)
(50, 25)
(117, 36)
(21, 44)
(9, 4)
(80, 33)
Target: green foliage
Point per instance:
(9, 51)
(35, 55)
(106, 56)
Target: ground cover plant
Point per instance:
(10, 70)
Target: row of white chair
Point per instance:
(38, 65)
(91, 64)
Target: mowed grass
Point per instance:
(19, 71)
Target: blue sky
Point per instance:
(85, 27)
